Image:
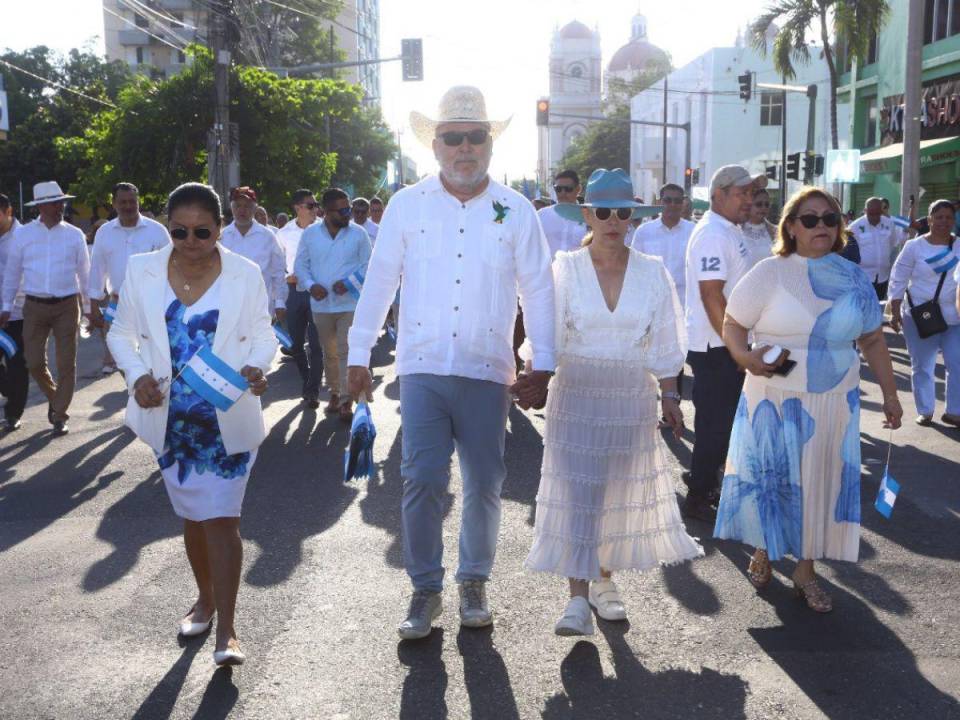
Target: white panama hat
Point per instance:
(461, 103)
(47, 192)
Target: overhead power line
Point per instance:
(54, 83)
(144, 30)
(318, 18)
(134, 6)
(162, 15)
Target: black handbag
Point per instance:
(928, 317)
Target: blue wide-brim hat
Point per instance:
(607, 189)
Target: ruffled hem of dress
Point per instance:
(583, 509)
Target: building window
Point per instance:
(942, 19)
(870, 120)
(872, 50)
(139, 56)
(576, 71)
(771, 108)
(181, 57)
(140, 21)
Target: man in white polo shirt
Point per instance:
(563, 234)
(877, 238)
(130, 233)
(716, 260)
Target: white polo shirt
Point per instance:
(462, 264)
(112, 247)
(716, 252)
(562, 234)
(877, 246)
(668, 244)
(260, 245)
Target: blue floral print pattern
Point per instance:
(762, 503)
(855, 311)
(848, 501)
(193, 434)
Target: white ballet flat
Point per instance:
(191, 629)
(230, 656)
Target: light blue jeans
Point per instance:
(440, 413)
(923, 363)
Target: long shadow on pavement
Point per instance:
(159, 704)
(485, 674)
(425, 686)
(523, 457)
(636, 692)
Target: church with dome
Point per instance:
(578, 84)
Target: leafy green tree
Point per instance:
(853, 22)
(284, 34)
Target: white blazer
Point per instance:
(140, 345)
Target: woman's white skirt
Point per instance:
(606, 497)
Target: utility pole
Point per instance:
(783, 149)
(808, 165)
(218, 167)
(912, 89)
(663, 180)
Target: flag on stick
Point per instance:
(283, 337)
(110, 312)
(354, 282)
(213, 380)
(7, 344)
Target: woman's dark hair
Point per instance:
(194, 193)
(938, 205)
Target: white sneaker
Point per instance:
(577, 618)
(474, 609)
(605, 597)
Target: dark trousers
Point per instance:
(14, 378)
(716, 392)
(300, 326)
(881, 289)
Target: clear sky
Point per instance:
(502, 46)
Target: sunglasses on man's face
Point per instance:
(181, 233)
(454, 138)
(311, 205)
(564, 188)
(343, 212)
(605, 213)
(810, 221)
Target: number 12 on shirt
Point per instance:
(711, 264)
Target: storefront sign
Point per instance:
(939, 112)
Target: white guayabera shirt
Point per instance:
(462, 265)
(260, 245)
(112, 247)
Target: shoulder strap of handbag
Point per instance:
(943, 277)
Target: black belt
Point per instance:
(50, 300)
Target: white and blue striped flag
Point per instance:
(887, 495)
(354, 282)
(943, 261)
(283, 337)
(7, 344)
(110, 312)
(213, 380)
(901, 222)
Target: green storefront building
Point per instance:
(874, 92)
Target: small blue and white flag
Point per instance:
(110, 312)
(283, 337)
(392, 331)
(887, 495)
(354, 282)
(943, 261)
(901, 222)
(7, 344)
(213, 380)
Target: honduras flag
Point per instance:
(358, 459)
(887, 495)
(213, 380)
(110, 312)
(354, 282)
(7, 344)
(943, 261)
(901, 222)
(282, 337)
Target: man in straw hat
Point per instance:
(48, 261)
(463, 244)
(716, 260)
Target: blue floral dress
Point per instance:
(792, 481)
(202, 480)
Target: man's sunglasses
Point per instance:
(810, 221)
(454, 138)
(564, 188)
(311, 205)
(605, 213)
(199, 233)
(343, 212)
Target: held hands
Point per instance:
(318, 292)
(892, 411)
(753, 362)
(339, 288)
(291, 279)
(256, 379)
(147, 393)
(672, 415)
(360, 383)
(530, 389)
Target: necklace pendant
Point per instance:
(186, 286)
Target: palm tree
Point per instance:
(855, 23)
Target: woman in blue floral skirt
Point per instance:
(792, 483)
(191, 295)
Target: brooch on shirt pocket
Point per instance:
(500, 211)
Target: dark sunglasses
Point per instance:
(311, 205)
(810, 221)
(671, 201)
(604, 213)
(199, 233)
(454, 138)
(564, 188)
(761, 204)
(343, 212)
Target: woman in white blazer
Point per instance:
(191, 294)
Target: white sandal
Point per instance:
(605, 597)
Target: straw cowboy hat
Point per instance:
(461, 103)
(47, 192)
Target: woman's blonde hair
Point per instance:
(786, 244)
(587, 239)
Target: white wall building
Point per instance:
(724, 128)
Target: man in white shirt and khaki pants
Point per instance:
(463, 245)
(48, 260)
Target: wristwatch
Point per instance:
(670, 396)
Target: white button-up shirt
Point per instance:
(461, 270)
(668, 244)
(289, 238)
(325, 261)
(877, 246)
(562, 234)
(372, 229)
(112, 247)
(5, 240)
(716, 252)
(260, 245)
(47, 262)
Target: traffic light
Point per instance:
(818, 165)
(772, 172)
(809, 161)
(746, 85)
(793, 166)
(695, 177)
(543, 112)
(411, 53)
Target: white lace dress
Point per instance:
(606, 497)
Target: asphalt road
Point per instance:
(93, 581)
